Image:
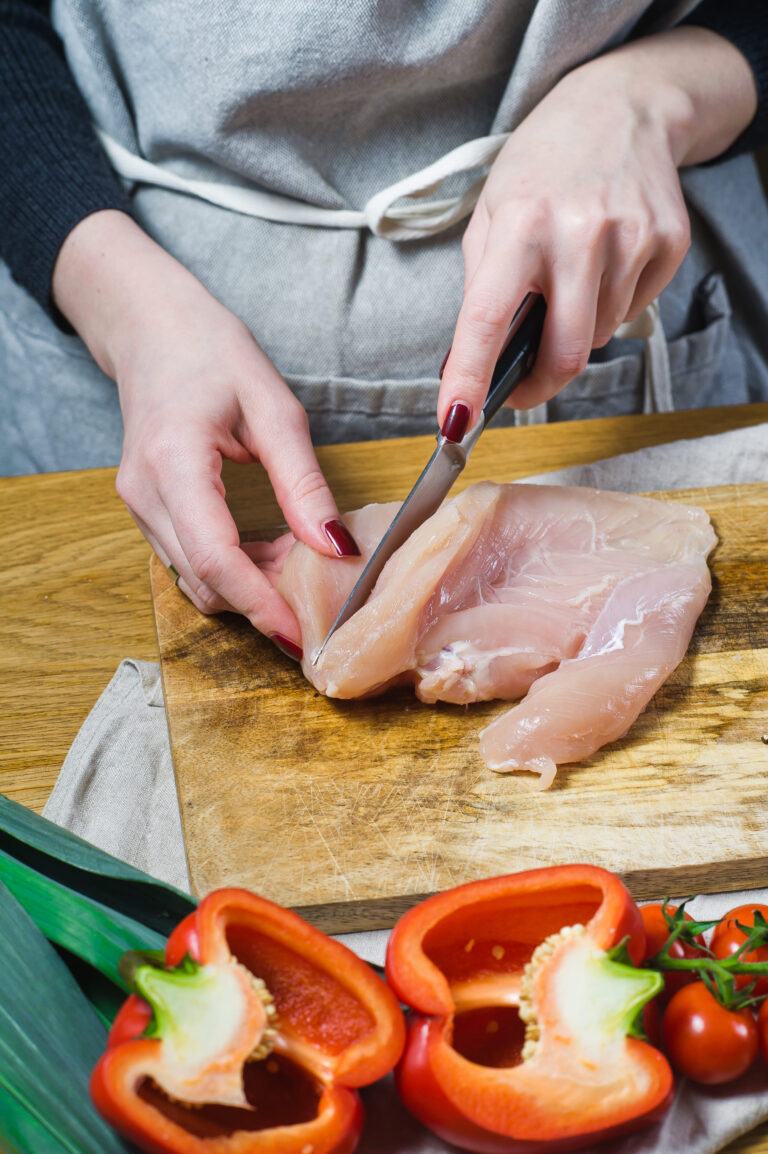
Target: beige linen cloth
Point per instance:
(117, 790)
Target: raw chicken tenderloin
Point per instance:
(316, 587)
(378, 644)
(638, 639)
(588, 596)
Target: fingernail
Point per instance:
(445, 362)
(289, 648)
(341, 538)
(455, 424)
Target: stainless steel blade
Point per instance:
(449, 458)
(424, 499)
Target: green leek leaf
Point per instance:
(20, 1133)
(105, 997)
(86, 928)
(83, 899)
(83, 868)
(50, 1040)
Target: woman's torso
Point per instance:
(327, 104)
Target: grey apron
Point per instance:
(322, 106)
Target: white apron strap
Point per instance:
(538, 415)
(386, 218)
(420, 218)
(658, 377)
(408, 221)
(657, 396)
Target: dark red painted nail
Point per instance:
(455, 424)
(289, 648)
(445, 362)
(341, 538)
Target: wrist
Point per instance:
(691, 84)
(106, 282)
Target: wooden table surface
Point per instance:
(75, 597)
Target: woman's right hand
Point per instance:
(584, 205)
(194, 388)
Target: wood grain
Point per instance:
(75, 598)
(352, 811)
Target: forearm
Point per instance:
(111, 281)
(695, 85)
(745, 25)
(54, 170)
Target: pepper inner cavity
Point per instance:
(490, 1036)
(495, 1023)
(278, 1092)
(485, 989)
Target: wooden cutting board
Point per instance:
(352, 811)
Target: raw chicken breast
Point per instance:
(587, 599)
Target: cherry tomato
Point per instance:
(762, 1031)
(705, 1041)
(726, 939)
(656, 933)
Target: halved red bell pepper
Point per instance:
(250, 1036)
(519, 1037)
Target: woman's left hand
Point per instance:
(584, 205)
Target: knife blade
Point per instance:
(449, 458)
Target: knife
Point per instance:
(449, 458)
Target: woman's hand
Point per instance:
(194, 387)
(584, 205)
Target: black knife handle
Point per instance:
(517, 358)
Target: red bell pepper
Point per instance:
(519, 1037)
(249, 1036)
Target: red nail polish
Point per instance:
(455, 424)
(289, 648)
(341, 538)
(445, 362)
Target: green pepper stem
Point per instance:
(133, 960)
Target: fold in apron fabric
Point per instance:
(336, 107)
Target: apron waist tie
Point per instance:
(381, 215)
(385, 218)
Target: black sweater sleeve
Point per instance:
(54, 171)
(745, 24)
